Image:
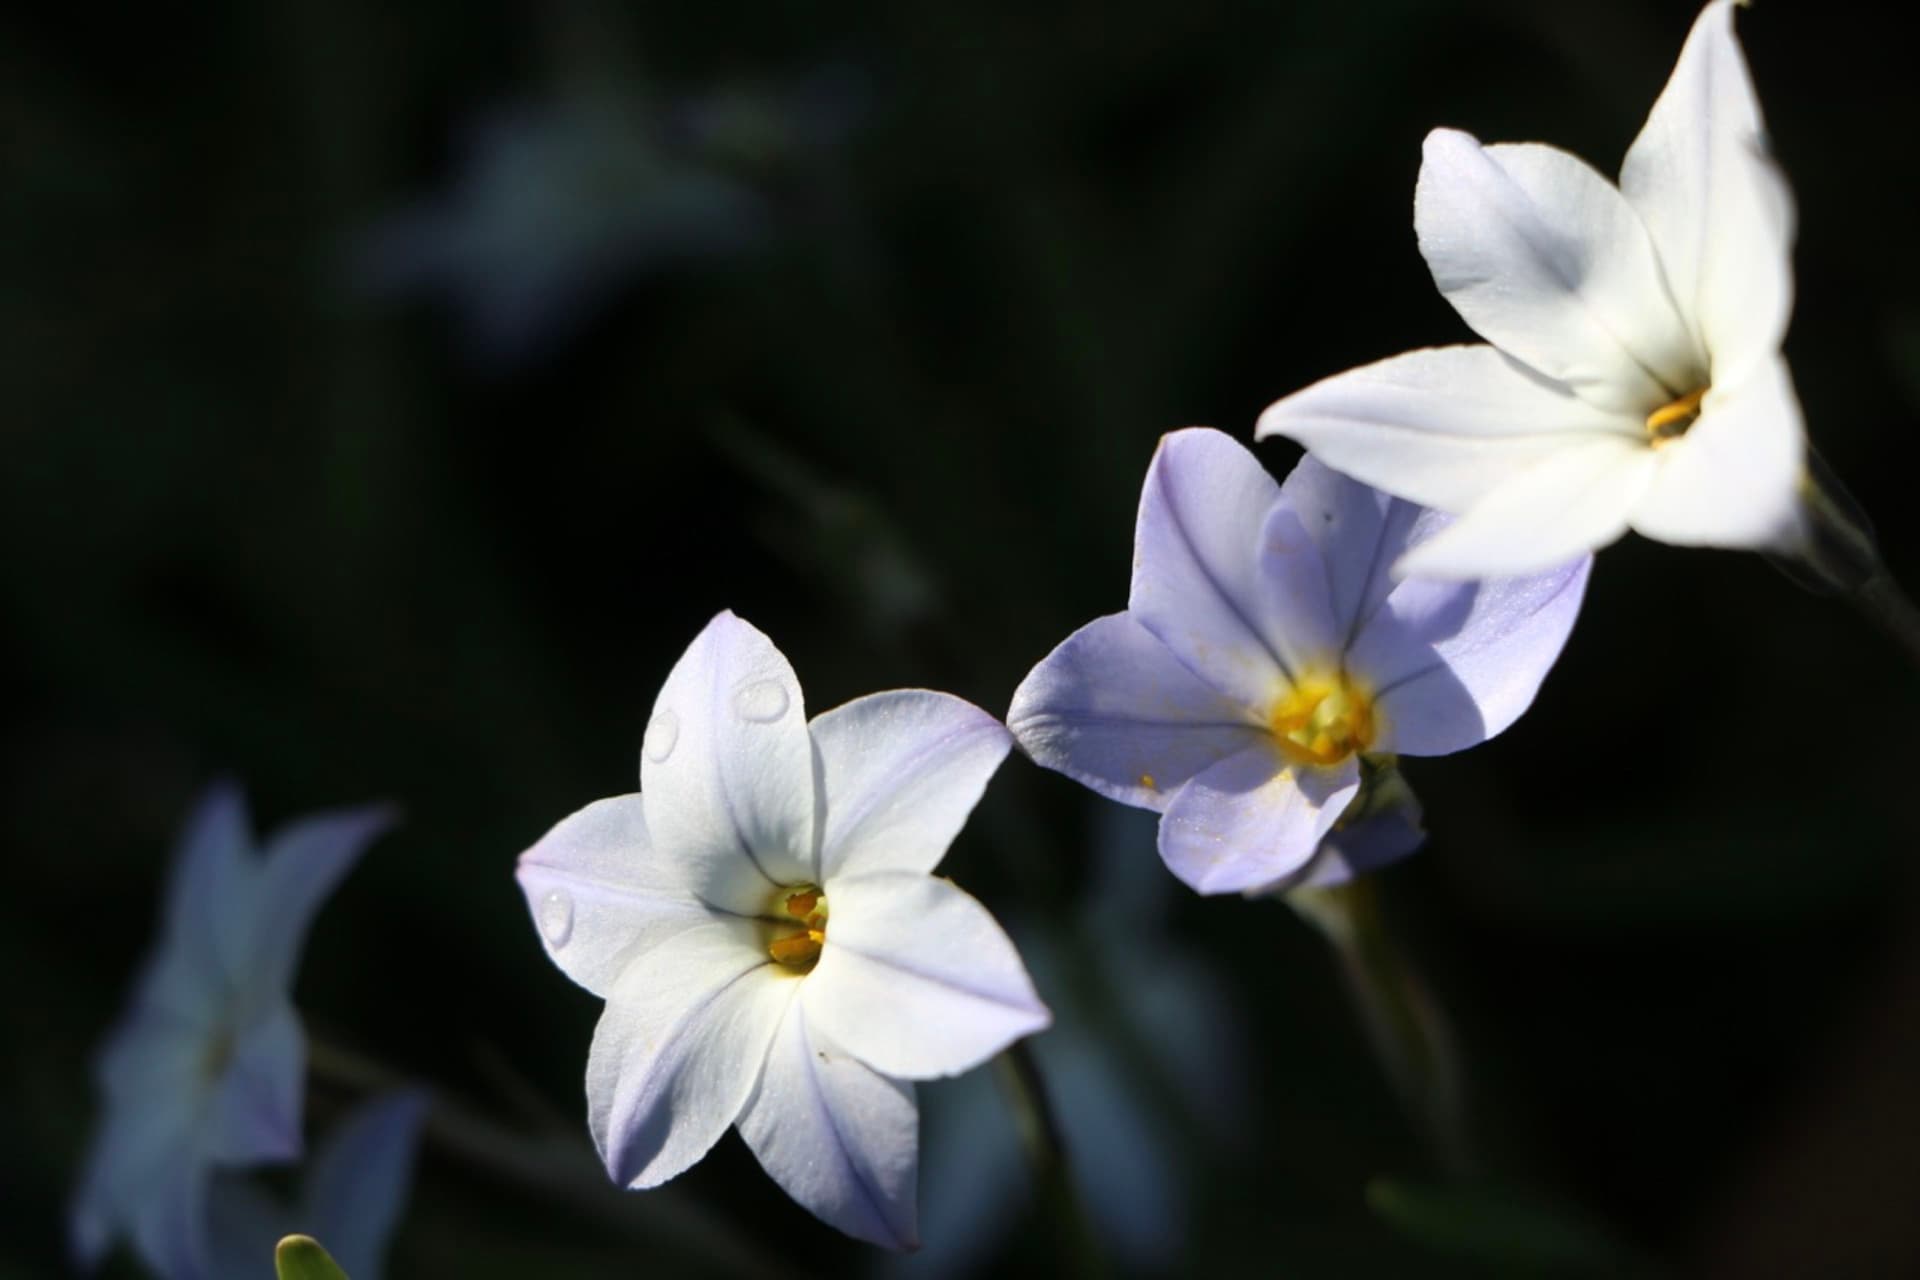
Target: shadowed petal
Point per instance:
(357, 1187)
(1718, 209)
(1734, 479)
(841, 1139)
(304, 862)
(1368, 845)
(600, 894)
(1360, 532)
(1443, 426)
(1198, 581)
(899, 773)
(726, 770)
(1453, 663)
(1574, 501)
(1547, 261)
(678, 1049)
(169, 1219)
(1250, 820)
(916, 979)
(257, 1103)
(1113, 709)
(212, 895)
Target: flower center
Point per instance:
(799, 917)
(1670, 421)
(1321, 720)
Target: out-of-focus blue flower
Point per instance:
(1265, 651)
(351, 1199)
(205, 1069)
(773, 950)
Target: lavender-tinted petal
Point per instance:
(1113, 709)
(726, 769)
(1198, 580)
(838, 1137)
(1252, 819)
(1452, 664)
(304, 862)
(257, 1102)
(600, 894)
(1376, 841)
(1360, 532)
(899, 773)
(169, 1219)
(357, 1186)
(1301, 625)
(917, 980)
(679, 1047)
(244, 1222)
(213, 893)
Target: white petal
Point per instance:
(1453, 663)
(1442, 427)
(1734, 479)
(1252, 820)
(726, 769)
(916, 979)
(1112, 708)
(899, 773)
(1198, 582)
(1547, 261)
(841, 1139)
(600, 893)
(257, 1102)
(679, 1047)
(1718, 209)
(304, 861)
(1574, 501)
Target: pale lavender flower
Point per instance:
(206, 1068)
(1266, 652)
(1632, 376)
(773, 951)
(350, 1200)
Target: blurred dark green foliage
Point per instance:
(257, 520)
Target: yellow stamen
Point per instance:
(1670, 421)
(1321, 720)
(806, 906)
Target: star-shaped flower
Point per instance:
(206, 1068)
(1266, 661)
(772, 949)
(1634, 377)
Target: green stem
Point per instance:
(1033, 1116)
(560, 1169)
(1408, 1030)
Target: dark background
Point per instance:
(282, 495)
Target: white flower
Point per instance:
(773, 952)
(1634, 378)
(207, 1066)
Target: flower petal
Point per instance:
(1113, 709)
(1252, 820)
(304, 862)
(679, 1047)
(1734, 479)
(1443, 426)
(1721, 214)
(841, 1139)
(916, 979)
(1368, 845)
(357, 1185)
(601, 894)
(727, 769)
(169, 1219)
(1454, 663)
(1198, 580)
(1547, 261)
(1573, 501)
(899, 773)
(212, 896)
(257, 1101)
(147, 1125)
(1360, 532)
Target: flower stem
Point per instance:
(558, 1168)
(1033, 1114)
(1836, 553)
(1409, 1031)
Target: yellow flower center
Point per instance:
(1670, 421)
(1322, 719)
(799, 917)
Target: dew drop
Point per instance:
(556, 917)
(761, 701)
(660, 737)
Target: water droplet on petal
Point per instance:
(660, 737)
(556, 917)
(761, 701)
